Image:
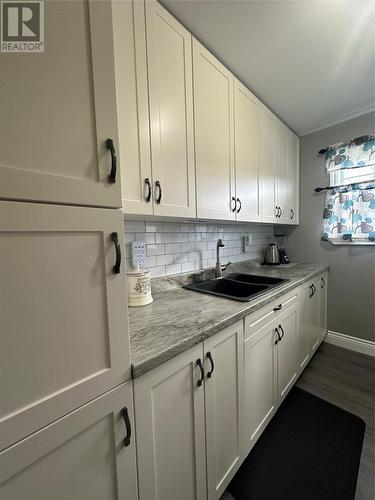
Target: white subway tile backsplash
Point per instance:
(174, 248)
(132, 226)
(173, 269)
(155, 249)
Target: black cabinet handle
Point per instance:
(282, 332)
(281, 212)
(233, 207)
(311, 291)
(200, 365)
(116, 267)
(209, 357)
(278, 336)
(277, 308)
(111, 147)
(276, 212)
(292, 214)
(125, 416)
(239, 201)
(158, 187)
(323, 283)
(148, 185)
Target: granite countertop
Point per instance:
(180, 318)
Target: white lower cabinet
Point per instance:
(224, 412)
(287, 349)
(270, 352)
(260, 382)
(169, 411)
(186, 409)
(87, 455)
(312, 318)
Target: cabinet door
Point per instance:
(293, 179)
(260, 382)
(323, 284)
(62, 103)
(224, 400)
(316, 333)
(213, 119)
(63, 316)
(304, 325)
(169, 411)
(169, 56)
(132, 106)
(282, 181)
(268, 167)
(81, 456)
(246, 147)
(287, 352)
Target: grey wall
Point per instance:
(351, 298)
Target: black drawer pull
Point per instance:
(200, 365)
(292, 214)
(116, 267)
(323, 283)
(111, 147)
(148, 185)
(282, 332)
(209, 357)
(278, 336)
(277, 308)
(233, 207)
(158, 188)
(311, 291)
(125, 416)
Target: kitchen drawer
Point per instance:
(254, 322)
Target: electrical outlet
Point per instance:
(246, 242)
(138, 253)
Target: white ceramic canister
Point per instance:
(139, 287)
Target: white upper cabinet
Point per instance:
(63, 312)
(293, 178)
(88, 454)
(279, 172)
(132, 102)
(170, 78)
(65, 111)
(282, 191)
(153, 57)
(246, 153)
(214, 151)
(268, 165)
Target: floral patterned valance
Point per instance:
(349, 214)
(359, 152)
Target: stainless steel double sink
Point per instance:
(237, 286)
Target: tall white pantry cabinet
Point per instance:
(66, 412)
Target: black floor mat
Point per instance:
(310, 451)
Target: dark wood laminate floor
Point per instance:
(347, 379)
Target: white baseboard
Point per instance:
(352, 343)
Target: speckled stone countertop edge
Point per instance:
(139, 368)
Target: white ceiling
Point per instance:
(311, 61)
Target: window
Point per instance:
(349, 213)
